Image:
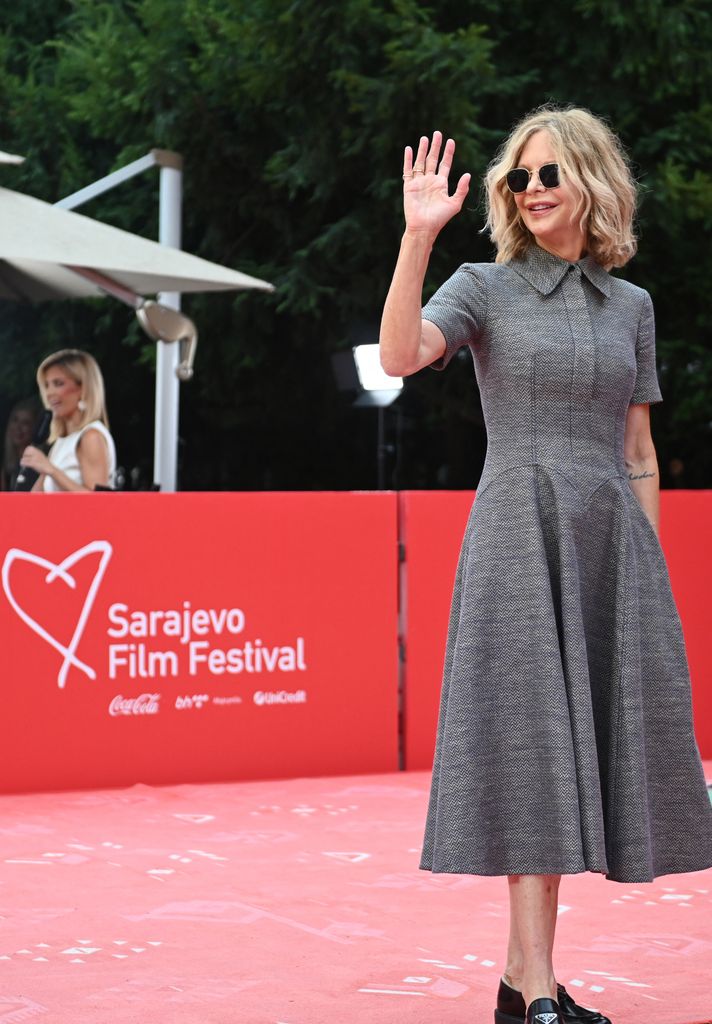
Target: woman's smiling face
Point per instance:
(61, 392)
(548, 213)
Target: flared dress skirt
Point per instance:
(565, 737)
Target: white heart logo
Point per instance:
(54, 571)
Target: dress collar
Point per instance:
(545, 271)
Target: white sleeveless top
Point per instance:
(63, 455)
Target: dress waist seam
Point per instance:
(488, 478)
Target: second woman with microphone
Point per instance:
(82, 456)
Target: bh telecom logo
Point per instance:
(149, 643)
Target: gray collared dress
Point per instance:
(565, 739)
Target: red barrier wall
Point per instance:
(168, 638)
(190, 637)
(685, 518)
(432, 526)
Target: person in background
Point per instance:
(677, 475)
(82, 456)
(18, 434)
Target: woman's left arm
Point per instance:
(641, 462)
(93, 458)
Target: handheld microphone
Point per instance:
(26, 477)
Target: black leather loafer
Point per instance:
(544, 1011)
(572, 1013)
(510, 1005)
(511, 1008)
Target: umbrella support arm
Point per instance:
(109, 286)
(160, 322)
(155, 158)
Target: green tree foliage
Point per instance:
(292, 117)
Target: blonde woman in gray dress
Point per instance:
(565, 740)
(82, 456)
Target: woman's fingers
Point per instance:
(419, 165)
(463, 187)
(427, 156)
(448, 154)
(33, 457)
(431, 162)
(425, 177)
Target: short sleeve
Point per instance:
(646, 387)
(459, 309)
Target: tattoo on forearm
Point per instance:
(639, 476)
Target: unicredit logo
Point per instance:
(279, 697)
(145, 704)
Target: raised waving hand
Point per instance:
(426, 202)
(407, 341)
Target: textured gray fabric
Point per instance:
(565, 738)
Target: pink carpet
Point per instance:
(300, 902)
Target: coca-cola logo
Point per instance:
(145, 704)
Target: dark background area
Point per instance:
(291, 118)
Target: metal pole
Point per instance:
(396, 477)
(381, 449)
(165, 451)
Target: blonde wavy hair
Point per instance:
(592, 161)
(84, 371)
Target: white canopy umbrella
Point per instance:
(49, 253)
(11, 158)
(42, 245)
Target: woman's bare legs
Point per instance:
(533, 903)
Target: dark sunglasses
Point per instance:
(518, 178)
